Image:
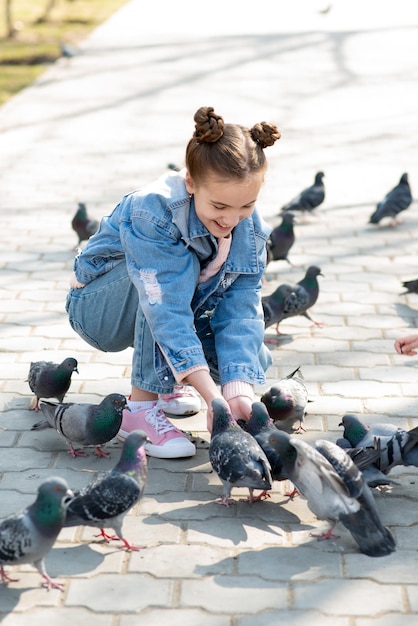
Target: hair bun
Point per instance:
(209, 127)
(265, 134)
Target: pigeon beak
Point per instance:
(68, 497)
(340, 424)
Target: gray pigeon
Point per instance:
(281, 240)
(395, 201)
(335, 491)
(28, 536)
(308, 199)
(107, 500)
(397, 446)
(51, 380)
(235, 455)
(85, 424)
(286, 401)
(82, 224)
(294, 299)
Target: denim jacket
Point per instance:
(156, 231)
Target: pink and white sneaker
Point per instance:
(182, 401)
(168, 442)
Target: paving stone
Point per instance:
(347, 597)
(126, 594)
(235, 594)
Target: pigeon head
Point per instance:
(49, 509)
(222, 416)
(318, 178)
(259, 418)
(313, 271)
(280, 441)
(70, 365)
(133, 449)
(354, 428)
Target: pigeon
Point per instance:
(275, 304)
(85, 424)
(308, 199)
(28, 536)
(281, 240)
(397, 446)
(291, 300)
(235, 455)
(395, 201)
(106, 501)
(51, 380)
(335, 491)
(286, 401)
(365, 458)
(173, 167)
(260, 426)
(83, 225)
(411, 286)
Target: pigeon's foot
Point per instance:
(292, 494)
(327, 535)
(130, 546)
(51, 584)
(34, 404)
(5, 578)
(101, 453)
(225, 501)
(264, 495)
(75, 453)
(301, 429)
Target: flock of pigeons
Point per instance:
(291, 300)
(336, 479)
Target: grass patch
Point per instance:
(38, 35)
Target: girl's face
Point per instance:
(220, 203)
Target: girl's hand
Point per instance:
(241, 407)
(407, 345)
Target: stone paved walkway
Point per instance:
(342, 88)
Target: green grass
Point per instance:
(37, 38)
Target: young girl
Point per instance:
(175, 272)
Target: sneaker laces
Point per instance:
(179, 391)
(158, 421)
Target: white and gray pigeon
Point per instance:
(51, 380)
(397, 446)
(335, 491)
(308, 199)
(235, 456)
(286, 401)
(28, 536)
(107, 500)
(85, 424)
(396, 200)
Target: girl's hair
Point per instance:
(229, 150)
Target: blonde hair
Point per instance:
(229, 150)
